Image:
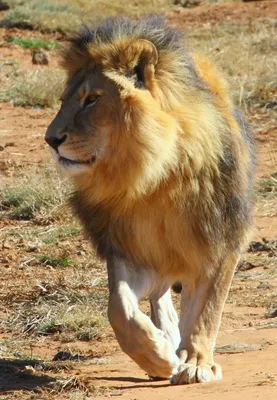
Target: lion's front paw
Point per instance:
(190, 373)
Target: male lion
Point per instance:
(162, 164)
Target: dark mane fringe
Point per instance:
(167, 40)
(152, 28)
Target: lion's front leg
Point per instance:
(137, 335)
(201, 310)
(163, 314)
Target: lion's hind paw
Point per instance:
(190, 373)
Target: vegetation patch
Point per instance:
(41, 192)
(35, 43)
(53, 261)
(67, 308)
(42, 88)
(77, 319)
(37, 14)
(44, 236)
(249, 70)
(67, 15)
(267, 187)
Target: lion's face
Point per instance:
(111, 125)
(79, 134)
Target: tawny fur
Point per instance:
(170, 187)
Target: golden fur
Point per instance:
(166, 160)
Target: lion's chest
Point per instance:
(161, 240)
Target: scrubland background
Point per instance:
(55, 342)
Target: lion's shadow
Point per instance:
(15, 376)
(18, 374)
(138, 382)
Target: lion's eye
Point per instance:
(90, 101)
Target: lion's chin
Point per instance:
(74, 167)
(66, 161)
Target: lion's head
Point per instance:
(80, 134)
(116, 123)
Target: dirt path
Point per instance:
(213, 14)
(21, 137)
(251, 375)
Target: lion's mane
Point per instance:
(178, 182)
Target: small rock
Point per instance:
(22, 241)
(63, 244)
(246, 266)
(6, 246)
(30, 369)
(40, 57)
(256, 246)
(20, 267)
(263, 285)
(32, 247)
(187, 3)
(65, 355)
(10, 144)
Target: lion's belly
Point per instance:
(162, 242)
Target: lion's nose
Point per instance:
(54, 141)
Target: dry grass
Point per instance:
(70, 307)
(267, 187)
(42, 235)
(266, 193)
(40, 88)
(66, 15)
(250, 69)
(67, 307)
(38, 193)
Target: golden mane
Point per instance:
(180, 141)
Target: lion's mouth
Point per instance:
(67, 162)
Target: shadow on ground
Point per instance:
(15, 375)
(139, 382)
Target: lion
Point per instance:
(162, 164)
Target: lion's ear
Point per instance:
(143, 56)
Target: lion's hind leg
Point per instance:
(201, 310)
(138, 337)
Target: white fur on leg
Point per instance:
(138, 337)
(164, 315)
